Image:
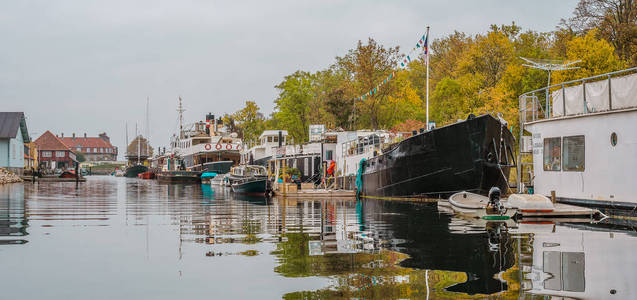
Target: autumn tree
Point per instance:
(369, 64)
(615, 20)
(597, 57)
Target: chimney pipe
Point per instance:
(85, 135)
(73, 135)
(62, 134)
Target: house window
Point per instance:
(269, 139)
(95, 150)
(276, 139)
(79, 149)
(46, 153)
(59, 153)
(552, 154)
(328, 155)
(14, 153)
(573, 153)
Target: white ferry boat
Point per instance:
(583, 141)
(206, 146)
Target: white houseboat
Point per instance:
(268, 144)
(583, 141)
(205, 146)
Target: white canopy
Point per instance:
(622, 91)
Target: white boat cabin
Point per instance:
(586, 153)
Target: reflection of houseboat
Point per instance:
(583, 140)
(471, 155)
(579, 264)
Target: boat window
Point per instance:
(552, 154)
(613, 139)
(573, 153)
(276, 139)
(269, 139)
(328, 155)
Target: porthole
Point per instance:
(613, 139)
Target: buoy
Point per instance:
(228, 146)
(218, 146)
(207, 147)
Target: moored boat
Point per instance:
(471, 155)
(249, 179)
(179, 177)
(478, 206)
(133, 171)
(146, 175)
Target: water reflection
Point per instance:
(295, 249)
(13, 221)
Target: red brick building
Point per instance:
(94, 148)
(53, 153)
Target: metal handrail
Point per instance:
(581, 80)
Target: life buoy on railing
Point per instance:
(218, 146)
(228, 146)
(207, 147)
(239, 147)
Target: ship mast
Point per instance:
(138, 144)
(181, 110)
(147, 129)
(126, 139)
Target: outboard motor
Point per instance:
(494, 200)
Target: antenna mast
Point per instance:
(549, 65)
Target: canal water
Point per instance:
(118, 238)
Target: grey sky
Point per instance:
(88, 66)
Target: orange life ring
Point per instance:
(207, 147)
(228, 146)
(218, 146)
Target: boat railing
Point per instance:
(607, 92)
(540, 104)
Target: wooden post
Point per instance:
(553, 196)
(610, 97)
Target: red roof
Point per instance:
(48, 141)
(86, 142)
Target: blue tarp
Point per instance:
(359, 175)
(208, 175)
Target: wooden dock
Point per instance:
(560, 210)
(52, 179)
(317, 193)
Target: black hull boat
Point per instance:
(133, 171)
(472, 155)
(179, 177)
(255, 186)
(219, 167)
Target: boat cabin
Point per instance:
(582, 141)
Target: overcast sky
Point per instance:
(88, 66)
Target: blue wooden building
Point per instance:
(13, 135)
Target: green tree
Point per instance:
(296, 92)
(250, 122)
(80, 156)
